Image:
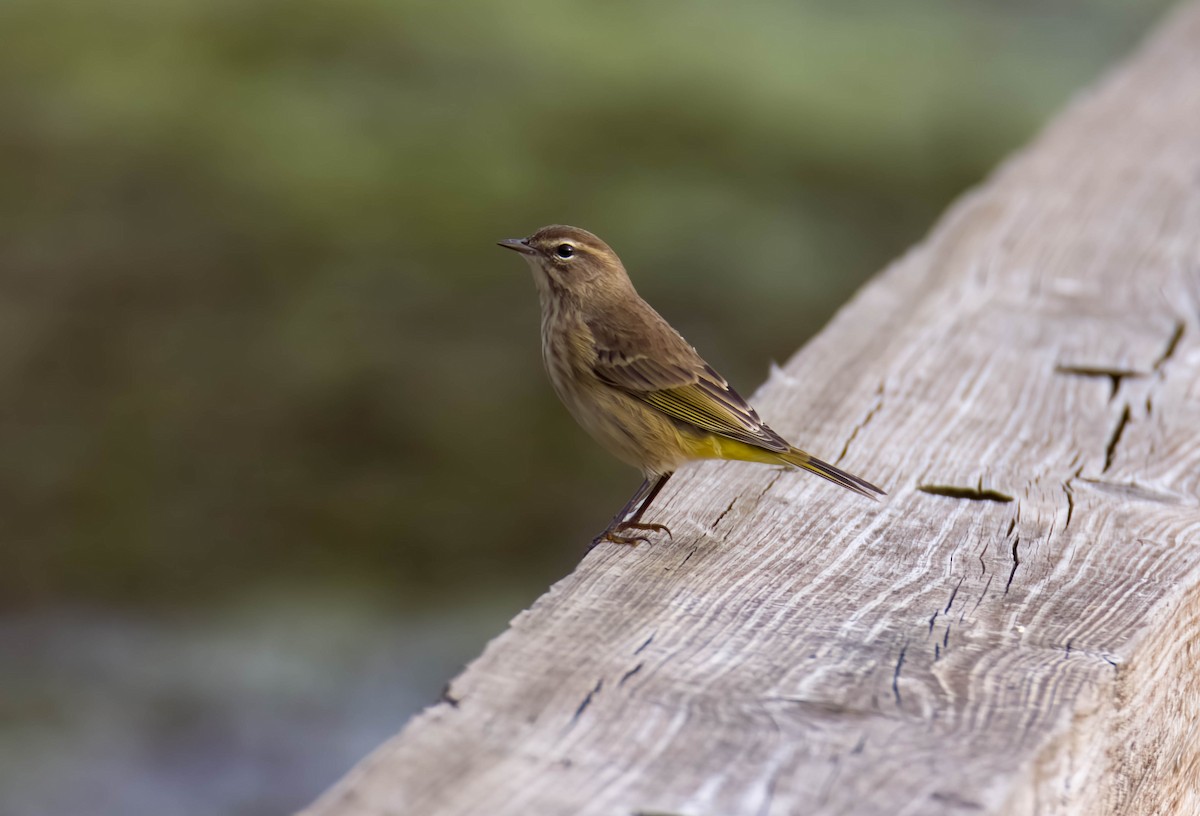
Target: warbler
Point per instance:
(634, 383)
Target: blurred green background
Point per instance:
(276, 450)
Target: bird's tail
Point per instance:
(800, 459)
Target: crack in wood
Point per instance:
(954, 594)
(1132, 490)
(896, 674)
(1115, 375)
(865, 421)
(971, 493)
(1070, 491)
(771, 484)
(629, 674)
(1172, 345)
(978, 601)
(587, 701)
(724, 513)
(1016, 563)
(648, 641)
(1110, 450)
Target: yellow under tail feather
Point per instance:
(800, 459)
(711, 446)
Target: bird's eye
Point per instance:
(564, 250)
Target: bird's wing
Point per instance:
(663, 371)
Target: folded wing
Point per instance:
(676, 381)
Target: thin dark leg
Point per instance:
(629, 515)
(634, 506)
(651, 492)
(629, 507)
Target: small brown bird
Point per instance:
(634, 383)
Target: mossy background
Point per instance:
(276, 450)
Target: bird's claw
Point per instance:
(631, 541)
(614, 534)
(641, 525)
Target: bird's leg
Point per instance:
(634, 521)
(619, 518)
(627, 520)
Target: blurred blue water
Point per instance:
(250, 709)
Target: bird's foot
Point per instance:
(642, 525)
(614, 533)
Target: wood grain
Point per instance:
(1014, 630)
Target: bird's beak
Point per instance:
(518, 244)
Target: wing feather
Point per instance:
(675, 380)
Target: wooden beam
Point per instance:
(1014, 630)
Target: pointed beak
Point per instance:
(518, 245)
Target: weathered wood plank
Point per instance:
(1025, 645)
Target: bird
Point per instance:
(635, 384)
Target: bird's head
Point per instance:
(571, 261)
